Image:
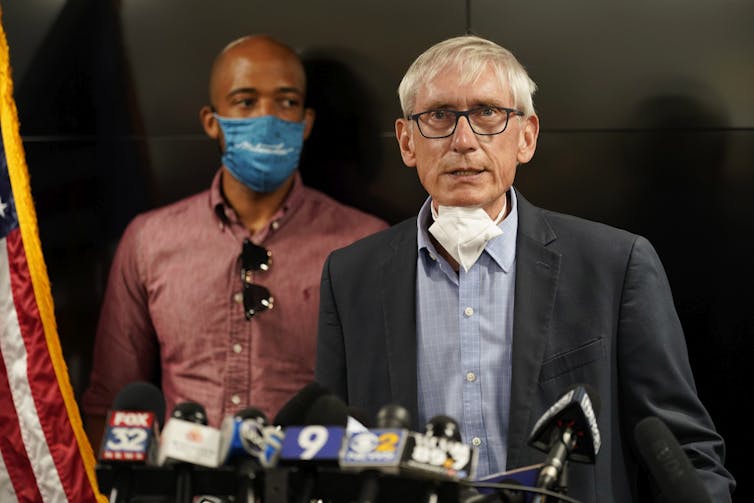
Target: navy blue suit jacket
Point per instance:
(592, 305)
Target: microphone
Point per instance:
(234, 444)
(241, 439)
(438, 455)
(316, 443)
(294, 411)
(378, 450)
(187, 440)
(251, 437)
(667, 463)
(567, 431)
(131, 434)
(393, 416)
(443, 427)
(358, 420)
(439, 452)
(320, 436)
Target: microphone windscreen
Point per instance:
(143, 396)
(361, 416)
(393, 416)
(328, 410)
(251, 413)
(667, 462)
(294, 411)
(191, 412)
(593, 397)
(443, 427)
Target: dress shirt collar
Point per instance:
(501, 249)
(227, 215)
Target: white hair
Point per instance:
(471, 55)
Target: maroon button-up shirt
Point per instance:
(173, 306)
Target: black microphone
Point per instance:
(358, 419)
(431, 458)
(567, 431)
(377, 451)
(234, 434)
(667, 463)
(240, 436)
(316, 443)
(283, 450)
(442, 426)
(186, 441)
(393, 416)
(131, 434)
(295, 409)
(438, 455)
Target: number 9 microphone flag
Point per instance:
(44, 453)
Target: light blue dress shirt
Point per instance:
(464, 333)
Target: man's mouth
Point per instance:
(466, 172)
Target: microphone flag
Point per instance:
(129, 436)
(380, 448)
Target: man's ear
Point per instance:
(209, 122)
(405, 137)
(309, 115)
(527, 141)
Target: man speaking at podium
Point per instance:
(486, 307)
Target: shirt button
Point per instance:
(476, 441)
(470, 376)
(238, 298)
(468, 311)
(235, 399)
(237, 348)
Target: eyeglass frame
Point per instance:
(465, 113)
(251, 291)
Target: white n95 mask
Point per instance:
(464, 231)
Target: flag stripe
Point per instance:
(36, 393)
(7, 492)
(20, 476)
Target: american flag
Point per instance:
(44, 454)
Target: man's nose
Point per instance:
(464, 138)
(266, 107)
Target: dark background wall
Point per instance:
(646, 107)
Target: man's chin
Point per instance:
(468, 197)
(468, 200)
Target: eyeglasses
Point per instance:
(256, 298)
(487, 120)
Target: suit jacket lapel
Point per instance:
(398, 295)
(537, 271)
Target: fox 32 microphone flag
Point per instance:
(44, 454)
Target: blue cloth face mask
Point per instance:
(261, 152)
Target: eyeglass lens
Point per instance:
(483, 120)
(256, 298)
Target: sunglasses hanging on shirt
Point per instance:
(256, 298)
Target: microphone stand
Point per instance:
(561, 487)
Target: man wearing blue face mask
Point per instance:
(215, 297)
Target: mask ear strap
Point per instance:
(502, 212)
